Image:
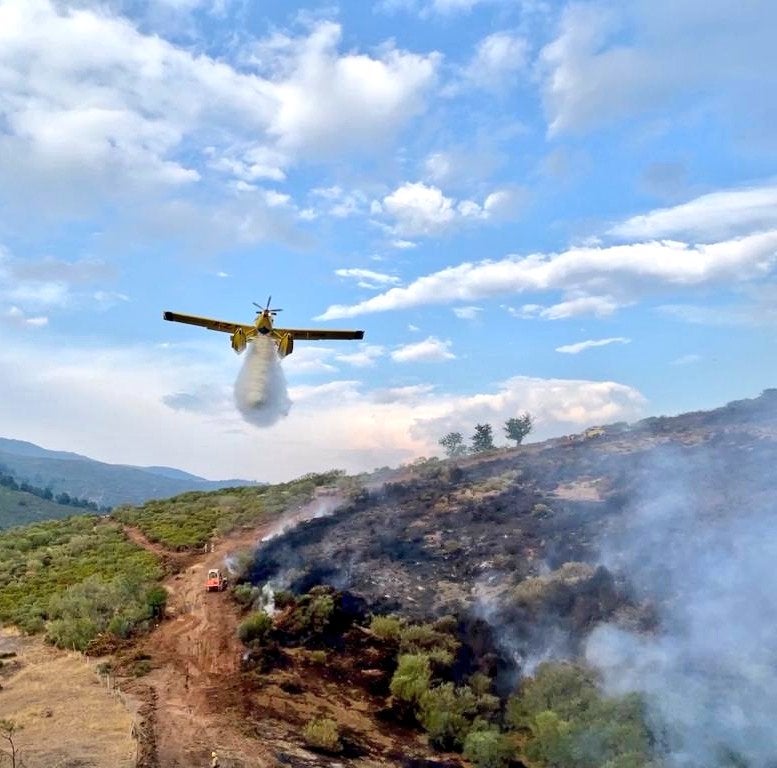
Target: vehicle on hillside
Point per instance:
(216, 581)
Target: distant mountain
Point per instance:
(105, 484)
(20, 508)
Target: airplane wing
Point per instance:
(206, 322)
(314, 335)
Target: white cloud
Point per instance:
(430, 350)
(365, 357)
(467, 313)
(403, 245)
(94, 110)
(417, 209)
(498, 59)
(309, 359)
(16, 316)
(367, 278)
(598, 306)
(619, 270)
(328, 102)
(342, 204)
(718, 214)
(582, 346)
(454, 6)
(132, 392)
(612, 60)
(688, 359)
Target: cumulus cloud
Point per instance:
(94, 109)
(33, 285)
(497, 61)
(619, 270)
(365, 357)
(416, 209)
(613, 60)
(430, 350)
(339, 203)
(136, 391)
(582, 346)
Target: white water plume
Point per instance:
(260, 390)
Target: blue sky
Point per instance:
(566, 208)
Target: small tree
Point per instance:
(453, 443)
(516, 428)
(8, 731)
(411, 679)
(483, 439)
(488, 749)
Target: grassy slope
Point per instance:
(21, 508)
(189, 520)
(42, 560)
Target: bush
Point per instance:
(570, 724)
(256, 627)
(488, 749)
(446, 714)
(386, 628)
(244, 594)
(411, 679)
(283, 599)
(322, 734)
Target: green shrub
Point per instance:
(323, 734)
(244, 594)
(317, 657)
(256, 627)
(446, 714)
(386, 628)
(191, 519)
(488, 749)
(313, 612)
(283, 599)
(142, 667)
(570, 724)
(411, 678)
(42, 561)
(424, 638)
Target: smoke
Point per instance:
(322, 505)
(260, 389)
(701, 538)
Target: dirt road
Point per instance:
(193, 697)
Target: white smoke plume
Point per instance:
(322, 505)
(709, 674)
(260, 390)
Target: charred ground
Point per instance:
(497, 536)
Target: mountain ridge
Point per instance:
(105, 484)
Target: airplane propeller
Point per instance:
(267, 308)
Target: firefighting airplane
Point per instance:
(241, 334)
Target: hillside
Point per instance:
(21, 508)
(568, 604)
(105, 484)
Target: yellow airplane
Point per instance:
(241, 334)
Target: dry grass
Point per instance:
(66, 715)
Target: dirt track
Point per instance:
(194, 692)
(195, 679)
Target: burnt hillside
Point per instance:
(518, 537)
